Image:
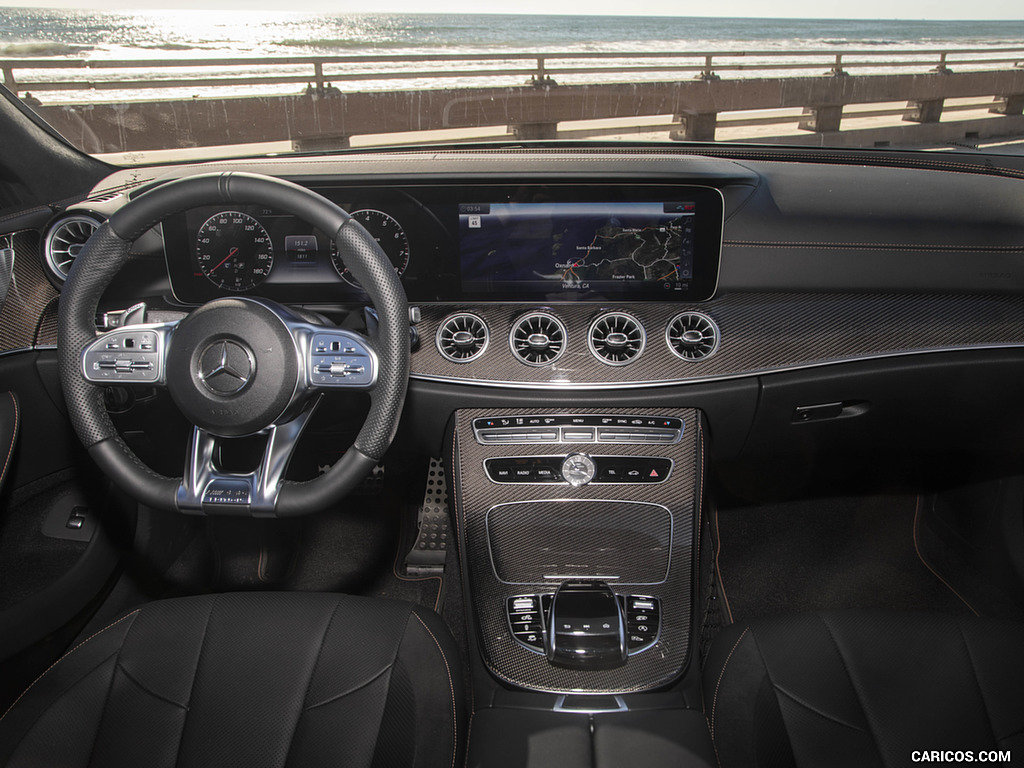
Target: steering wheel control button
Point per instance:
(627, 428)
(578, 469)
(226, 367)
(340, 360)
(124, 356)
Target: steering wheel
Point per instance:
(235, 366)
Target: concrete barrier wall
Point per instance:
(330, 118)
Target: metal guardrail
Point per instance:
(322, 72)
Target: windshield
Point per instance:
(137, 86)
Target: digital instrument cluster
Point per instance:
(536, 243)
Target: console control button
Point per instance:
(569, 428)
(526, 622)
(643, 622)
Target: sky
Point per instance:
(809, 9)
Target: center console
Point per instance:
(578, 536)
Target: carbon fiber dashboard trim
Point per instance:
(760, 333)
(28, 298)
(476, 495)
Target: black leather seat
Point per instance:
(258, 679)
(858, 688)
(9, 423)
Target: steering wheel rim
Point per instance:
(108, 250)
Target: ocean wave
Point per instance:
(173, 47)
(348, 44)
(41, 49)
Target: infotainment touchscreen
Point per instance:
(608, 248)
(566, 250)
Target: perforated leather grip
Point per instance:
(108, 250)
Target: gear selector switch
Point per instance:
(586, 627)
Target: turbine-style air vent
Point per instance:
(692, 336)
(537, 338)
(616, 338)
(462, 337)
(64, 241)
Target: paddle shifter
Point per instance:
(586, 627)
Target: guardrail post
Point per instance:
(318, 75)
(824, 118)
(534, 131)
(708, 73)
(9, 81)
(926, 111)
(695, 126)
(540, 78)
(837, 69)
(942, 69)
(1009, 105)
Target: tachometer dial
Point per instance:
(389, 236)
(234, 251)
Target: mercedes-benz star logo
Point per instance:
(225, 367)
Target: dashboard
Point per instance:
(532, 242)
(769, 264)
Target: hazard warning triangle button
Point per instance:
(654, 473)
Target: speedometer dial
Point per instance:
(389, 236)
(234, 251)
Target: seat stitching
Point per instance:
(935, 573)
(718, 757)
(977, 682)
(52, 704)
(103, 707)
(853, 687)
(14, 436)
(351, 690)
(810, 707)
(312, 674)
(195, 675)
(146, 689)
(451, 688)
(714, 699)
(58, 661)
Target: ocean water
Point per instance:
(183, 35)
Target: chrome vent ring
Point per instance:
(537, 338)
(692, 336)
(462, 337)
(616, 338)
(64, 241)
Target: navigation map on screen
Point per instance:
(566, 247)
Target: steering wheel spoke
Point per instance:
(206, 489)
(135, 354)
